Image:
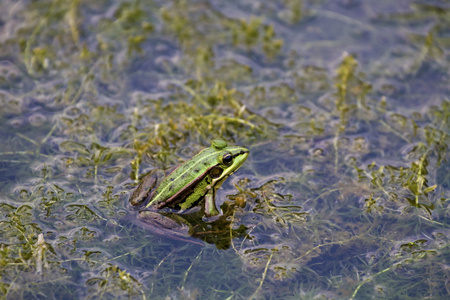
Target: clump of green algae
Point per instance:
(317, 189)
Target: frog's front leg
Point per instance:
(210, 203)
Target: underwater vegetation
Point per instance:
(344, 106)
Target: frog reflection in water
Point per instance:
(192, 184)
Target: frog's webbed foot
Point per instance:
(164, 225)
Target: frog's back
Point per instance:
(183, 179)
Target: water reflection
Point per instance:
(192, 226)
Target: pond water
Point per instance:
(344, 106)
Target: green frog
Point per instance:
(193, 183)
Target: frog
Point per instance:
(193, 184)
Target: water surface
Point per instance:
(344, 107)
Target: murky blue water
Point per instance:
(343, 105)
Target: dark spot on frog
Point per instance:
(197, 171)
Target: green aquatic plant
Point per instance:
(113, 282)
(295, 10)
(345, 193)
(197, 38)
(95, 156)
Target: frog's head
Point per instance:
(227, 159)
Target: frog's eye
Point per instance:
(227, 159)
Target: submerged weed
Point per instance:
(345, 193)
